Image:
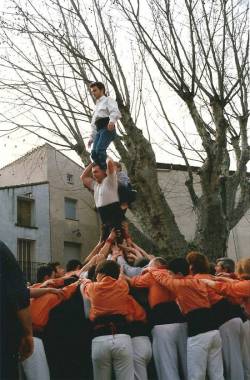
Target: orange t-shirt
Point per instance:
(40, 307)
(110, 296)
(157, 293)
(190, 293)
(213, 296)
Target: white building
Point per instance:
(46, 213)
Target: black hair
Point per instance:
(227, 264)
(198, 262)
(142, 262)
(99, 85)
(45, 270)
(54, 265)
(108, 268)
(212, 270)
(179, 265)
(91, 273)
(72, 265)
(161, 261)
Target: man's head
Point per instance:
(73, 265)
(158, 262)
(98, 173)
(198, 263)
(45, 273)
(97, 89)
(224, 265)
(179, 266)
(107, 268)
(59, 270)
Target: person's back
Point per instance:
(111, 308)
(204, 342)
(68, 349)
(169, 331)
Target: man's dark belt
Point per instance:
(102, 123)
(138, 328)
(110, 325)
(200, 321)
(165, 313)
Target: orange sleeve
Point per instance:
(168, 282)
(235, 289)
(40, 308)
(58, 282)
(142, 281)
(69, 290)
(87, 288)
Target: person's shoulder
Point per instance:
(110, 99)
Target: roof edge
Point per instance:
(24, 185)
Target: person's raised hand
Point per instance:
(116, 254)
(112, 235)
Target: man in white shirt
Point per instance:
(105, 116)
(104, 184)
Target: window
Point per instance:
(70, 179)
(71, 251)
(25, 212)
(70, 208)
(25, 251)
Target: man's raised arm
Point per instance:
(86, 176)
(110, 166)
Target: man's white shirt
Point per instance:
(105, 107)
(106, 192)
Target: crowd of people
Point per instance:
(123, 313)
(128, 314)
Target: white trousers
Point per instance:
(170, 351)
(113, 350)
(36, 366)
(204, 356)
(142, 353)
(246, 349)
(232, 336)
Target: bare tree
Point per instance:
(65, 45)
(201, 52)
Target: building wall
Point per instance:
(9, 232)
(87, 222)
(30, 168)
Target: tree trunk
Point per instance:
(212, 231)
(151, 208)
